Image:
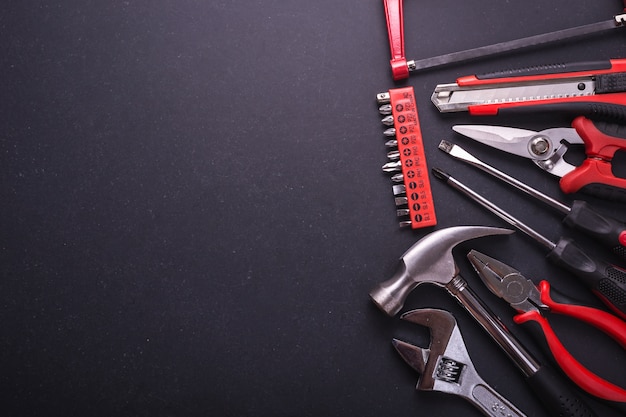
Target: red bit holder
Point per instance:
(412, 192)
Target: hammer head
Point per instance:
(427, 261)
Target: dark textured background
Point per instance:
(193, 211)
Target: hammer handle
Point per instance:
(549, 387)
(491, 323)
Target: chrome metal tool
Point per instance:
(548, 149)
(606, 281)
(446, 366)
(580, 215)
(531, 302)
(430, 261)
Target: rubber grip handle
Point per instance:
(609, 231)
(610, 107)
(607, 281)
(556, 395)
(547, 70)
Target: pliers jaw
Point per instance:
(507, 283)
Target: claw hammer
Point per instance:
(430, 261)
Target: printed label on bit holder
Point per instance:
(416, 206)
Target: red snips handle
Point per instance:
(395, 30)
(606, 322)
(600, 147)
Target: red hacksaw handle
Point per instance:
(606, 322)
(395, 30)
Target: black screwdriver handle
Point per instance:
(557, 395)
(609, 231)
(607, 281)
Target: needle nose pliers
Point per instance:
(530, 301)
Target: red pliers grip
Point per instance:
(595, 175)
(609, 324)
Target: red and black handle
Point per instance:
(595, 175)
(580, 375)
(607, 101)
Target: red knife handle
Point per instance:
(595, 175)
(395, 30)
(546, 72)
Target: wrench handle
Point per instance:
(492, 403)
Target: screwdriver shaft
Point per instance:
(459, 153)
(493, 208)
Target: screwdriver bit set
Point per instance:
(407, 161)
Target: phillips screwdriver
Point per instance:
(606, 281)
(580, 215)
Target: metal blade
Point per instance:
(452, 97)
(416, 357)
(508, 139)
(538, 146)
(505, 47)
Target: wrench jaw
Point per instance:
(446, 366)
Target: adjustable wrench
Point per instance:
(446, 366)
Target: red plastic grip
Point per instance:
(580, 375)
(600, 149)
(395, 30)
(617, 65)
(608, 323)
(413, 158)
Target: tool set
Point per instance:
(547, 150)
(607, 281)
(530, 300)
(430, 261)
(594, 94)
(581, 216)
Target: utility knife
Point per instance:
(585, 88)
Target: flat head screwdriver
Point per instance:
(606, 281)
(580, 215)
